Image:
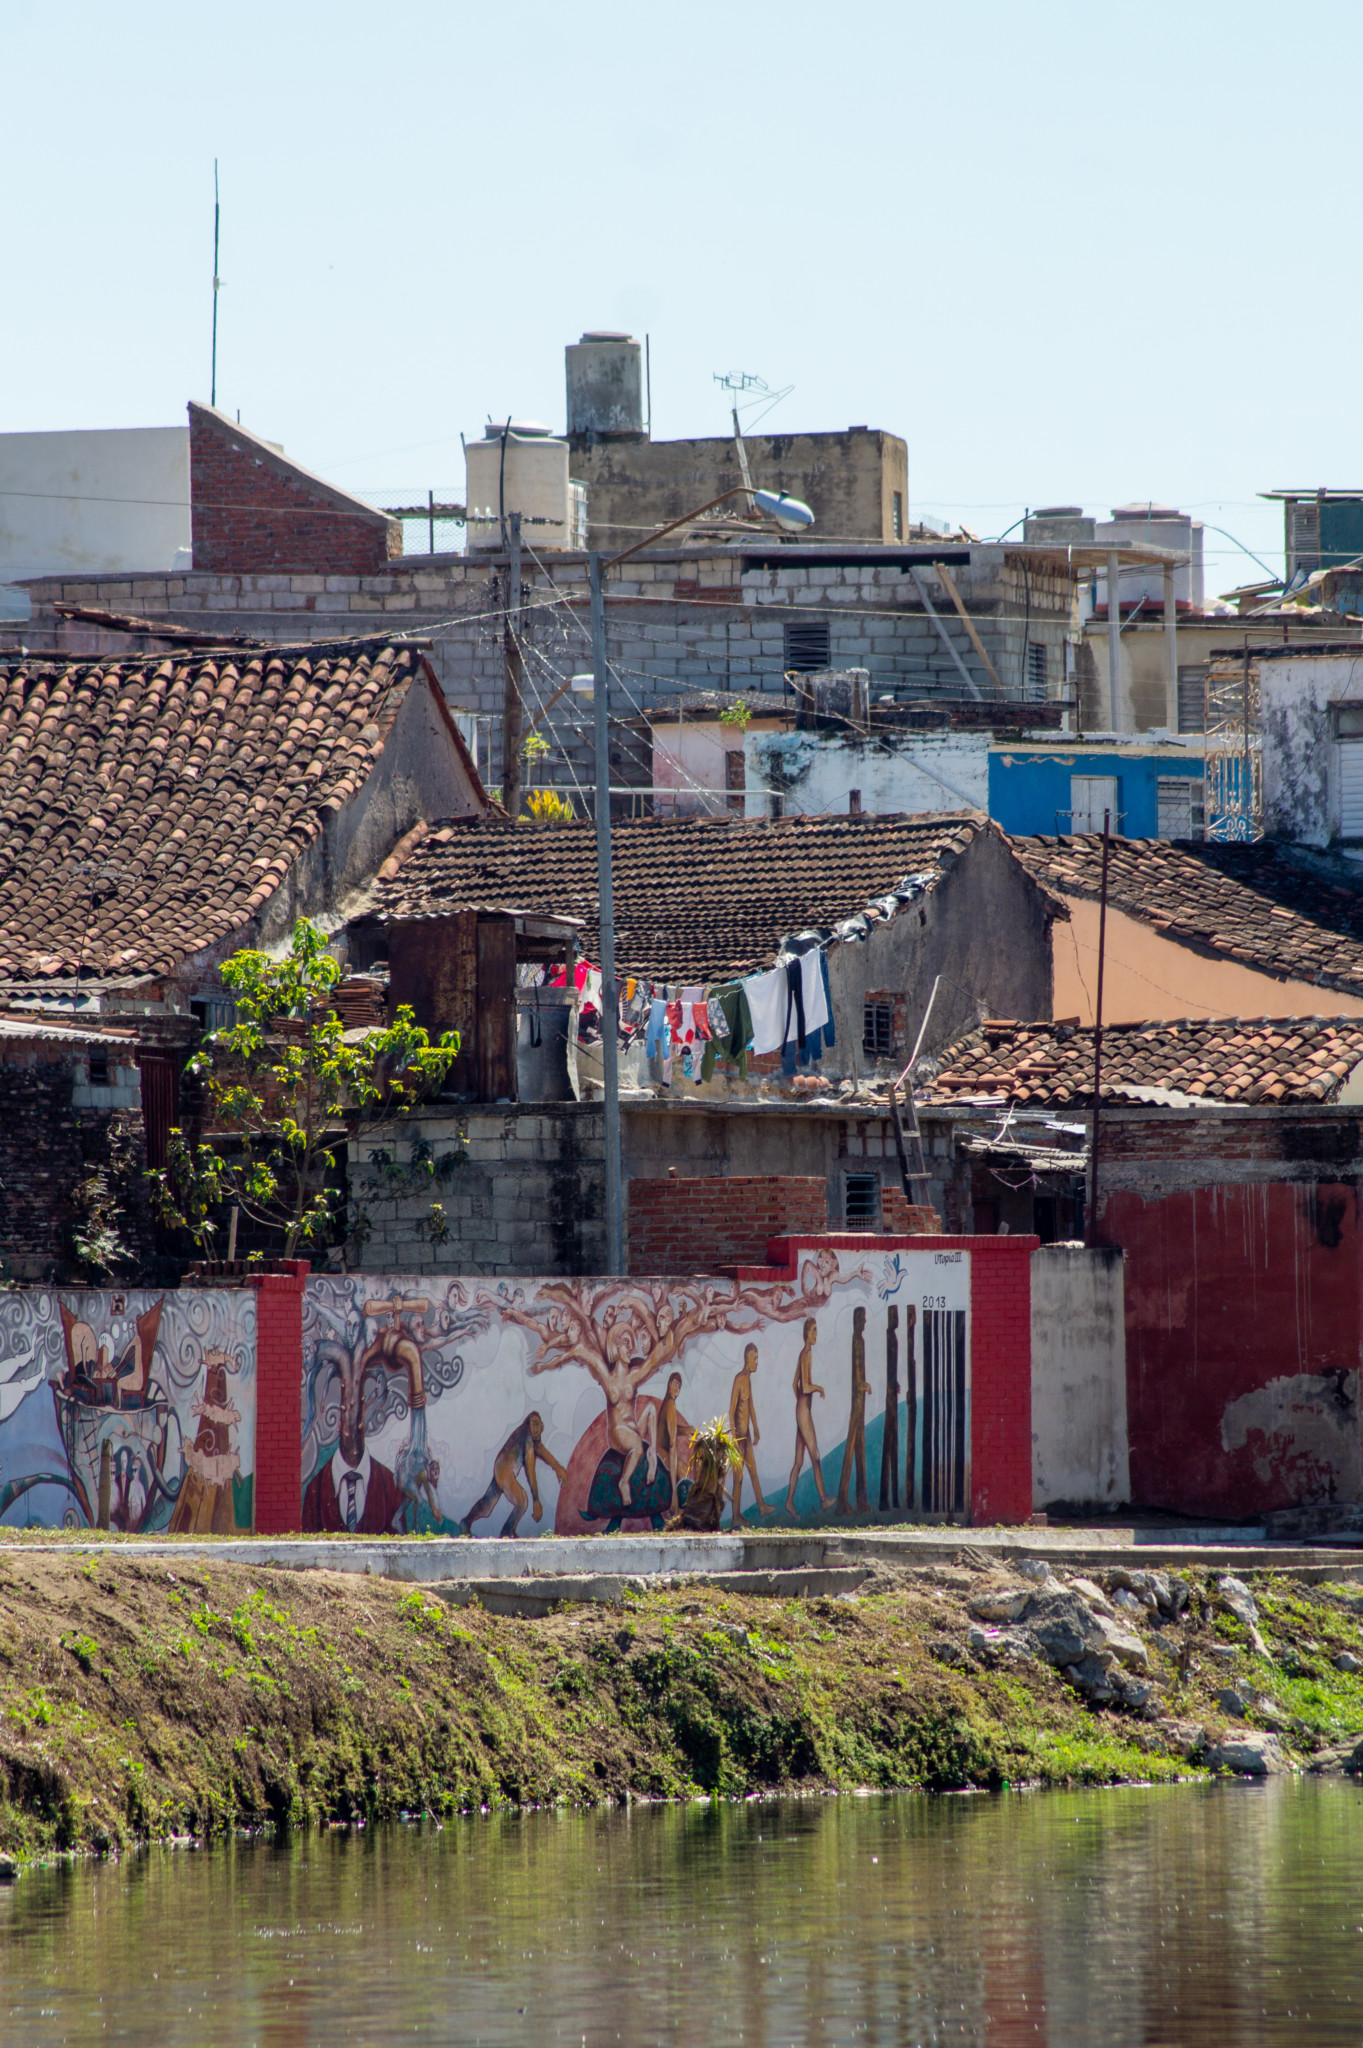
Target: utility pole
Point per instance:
(213, 378)
(610, 1044)
(1091, 1231)
(513, 670)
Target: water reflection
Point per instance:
(1219, 1914)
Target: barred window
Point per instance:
(877, 1034)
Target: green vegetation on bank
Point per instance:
(144, 1697)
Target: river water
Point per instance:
(1188, 1914)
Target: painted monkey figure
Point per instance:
(746, 1434)
(520, 1453)
(806, 1442)
(854, 1450)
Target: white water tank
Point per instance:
(519, 466)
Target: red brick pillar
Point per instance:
(1001, 1378)
(279, 1398)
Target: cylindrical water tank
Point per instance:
(605, 385)
(518, 466)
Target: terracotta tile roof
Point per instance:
(149, 807)
(1247, 903)
(695, 899)
(1224, 1059)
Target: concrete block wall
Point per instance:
(526, 1196)
(703, 1225)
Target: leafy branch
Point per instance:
(290, 1088)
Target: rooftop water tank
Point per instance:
(1058, 526)
(605, 377)
(519, 466)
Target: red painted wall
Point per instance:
(1230, 1290)
(279, 1397)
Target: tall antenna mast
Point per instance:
(213, 380)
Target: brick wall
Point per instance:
(54, 1131)
(279, 1398)
(252, 511)
(701, 1225)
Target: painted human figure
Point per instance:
(806, 1442)
(633, 1434)
(889, 1443)
(669, 1430)
(854, 1450)
(521, 1452)
(743, 1428)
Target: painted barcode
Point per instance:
(941, 1425)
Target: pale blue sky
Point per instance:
(1070, 252)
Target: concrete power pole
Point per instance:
(514, 674)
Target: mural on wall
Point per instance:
(138, 1404)
(467, 1406)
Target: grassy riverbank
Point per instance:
(139, 1698)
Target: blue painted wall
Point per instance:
(1029, 789)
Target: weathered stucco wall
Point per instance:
(813, 772)
(1301, 753)
(848, 479)
(420, 774)
(1146, 975)
(983, 929)
(1079, 1425)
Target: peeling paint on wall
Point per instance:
(1302, 1432)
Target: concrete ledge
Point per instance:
(430, 1560)
(541, 1595)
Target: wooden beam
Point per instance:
(948, 583)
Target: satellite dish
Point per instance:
(789, 513)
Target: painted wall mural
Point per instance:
(145, 1400)
(506, 1407)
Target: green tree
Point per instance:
(288, 1092)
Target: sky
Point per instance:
(1071, 253)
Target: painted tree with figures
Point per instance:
(625, 1331)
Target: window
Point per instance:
(1192, 698)
(1035, 691)
(897, 515)
(99, 1069)
(735, 780)
(1090, 796)
(861, 1201)
(1349, 726)
(807, 646)
(877, 1031)
(1180, 805)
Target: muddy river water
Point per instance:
(1188, 1914)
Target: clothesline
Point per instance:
(787, 1009)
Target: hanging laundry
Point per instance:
(657, 1040)
(768, 995)
(732, 1035)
